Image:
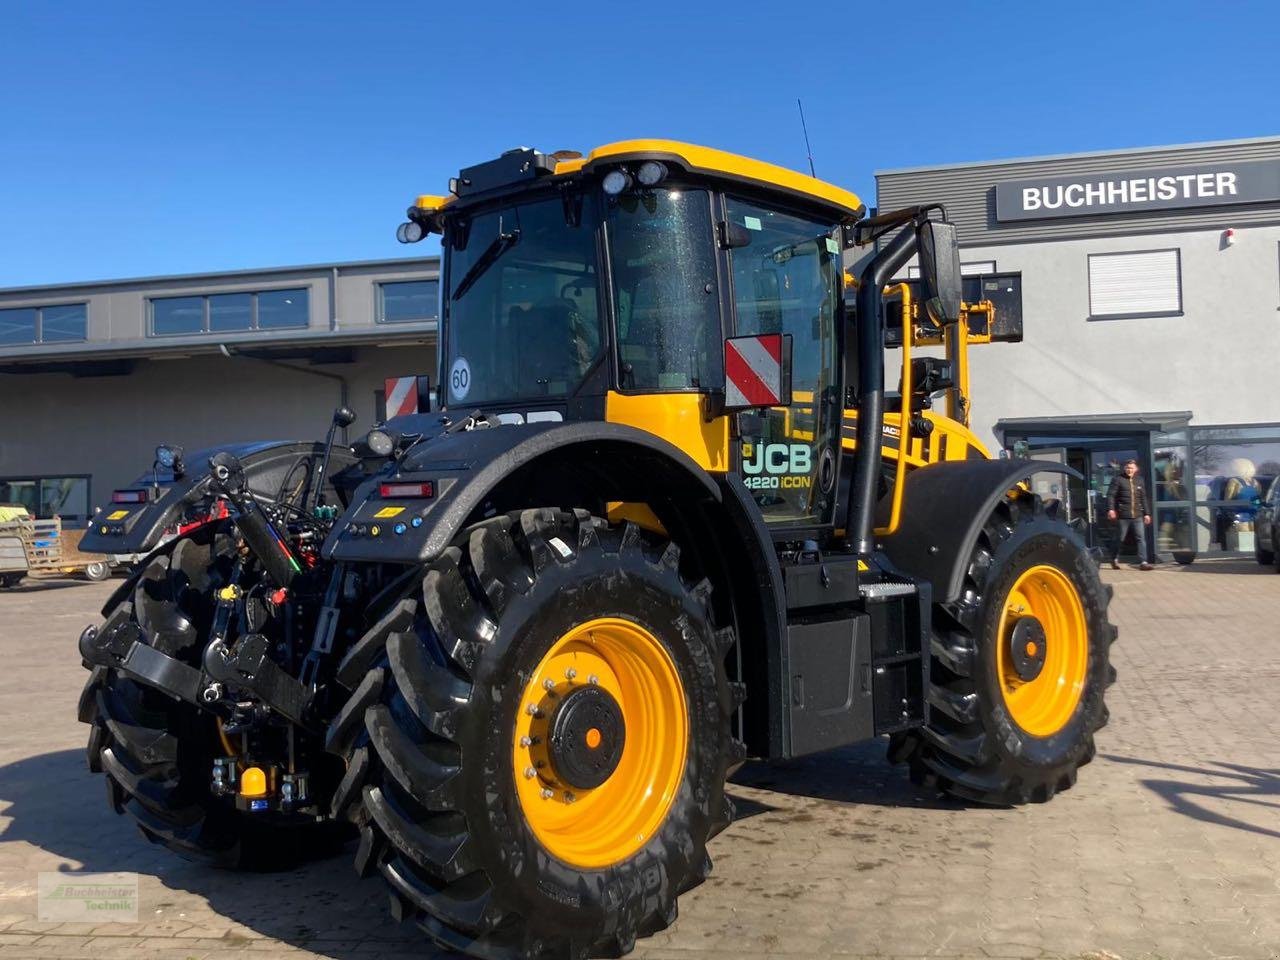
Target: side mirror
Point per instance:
(344, 417)
(940, 270)
(757, 371)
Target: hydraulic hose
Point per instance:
(260, 534)
(860, 519)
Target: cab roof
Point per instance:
(696, 159)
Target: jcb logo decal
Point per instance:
(774, 465)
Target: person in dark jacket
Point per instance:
(1128, 505)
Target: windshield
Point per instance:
(522, 311)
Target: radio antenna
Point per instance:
(807, 149)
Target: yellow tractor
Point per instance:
(665, 517)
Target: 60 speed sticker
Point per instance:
(460, 379)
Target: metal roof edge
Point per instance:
(1124, 151)
(219, 274)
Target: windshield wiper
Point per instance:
(497, 247)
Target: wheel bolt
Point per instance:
(547, 794)
(548, 684)
(531, 709)
(530, 773)
(569, 797)
(570, 673)
(526, 741)
(593, 679)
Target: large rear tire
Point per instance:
(1020, 665)
(541, 751)
(156, 754)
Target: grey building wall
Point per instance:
(60, 415)
(1216, 359)
(968, 190)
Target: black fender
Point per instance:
(135, 528)
(480, 472)
(944, 506)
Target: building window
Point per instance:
(48, 497)
(230, 312)
(975, 268)
(1145, 284)
(56, 324)
(407, 301)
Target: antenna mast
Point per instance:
(807, 149)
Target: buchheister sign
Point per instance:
(1162, 188)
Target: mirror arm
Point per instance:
(860, 513)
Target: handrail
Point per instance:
(904, 417)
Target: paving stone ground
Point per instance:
(1168, 847)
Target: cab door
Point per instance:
(786, 278)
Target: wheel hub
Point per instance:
(587, 737)
(1027, 644)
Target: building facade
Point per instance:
(93, 376)
(1150, 285)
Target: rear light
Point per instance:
(426, 488)
(129, 496)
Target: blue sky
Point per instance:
(140, 139)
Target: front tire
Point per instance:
(1020, 665)
(543, 753)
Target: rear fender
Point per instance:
(134, 528)
(944, 507)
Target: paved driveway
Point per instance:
(1169, 846)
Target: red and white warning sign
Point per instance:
(402, 396)
(753, 371)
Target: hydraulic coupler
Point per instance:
(260, 534)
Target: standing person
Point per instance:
(1126, 502)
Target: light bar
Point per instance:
(128, 496)
(426, 488)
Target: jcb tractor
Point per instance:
(665, 517)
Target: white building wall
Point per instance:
(1219, 359)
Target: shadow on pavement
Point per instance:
(55, 804)
(43, 584)
(1247, 785)
(857, 774)
(1233, 565)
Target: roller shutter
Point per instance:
(1135, 284)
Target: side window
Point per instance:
(786, 280)
(662, 252)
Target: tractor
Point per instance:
(664, 517)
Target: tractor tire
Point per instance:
(1020, 665)
(156, 753)
(537, 755)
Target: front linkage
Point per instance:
(263, 672)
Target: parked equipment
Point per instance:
(668, 517)
(31, 546)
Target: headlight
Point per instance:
(380, 442)
(410, 232)
(616, 181)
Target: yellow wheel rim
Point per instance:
(602, 825)
(1042, 701)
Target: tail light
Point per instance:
(129, 496)
(424, 489)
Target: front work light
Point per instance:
(410, 232)
(616, 181)
(651, 173)
(380, 442)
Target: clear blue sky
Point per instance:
(140, 139)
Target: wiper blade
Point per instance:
(497, 247)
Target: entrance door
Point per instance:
(786, 279)
(1105, 466)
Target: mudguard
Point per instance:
(128, 528)
(945, 505)
(464, 469)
